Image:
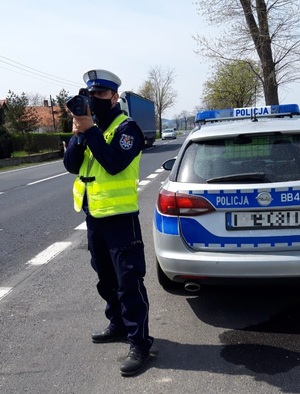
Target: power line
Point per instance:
(34, 69)
(39, 79)
(47, 77)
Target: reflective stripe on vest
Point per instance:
(107, 194)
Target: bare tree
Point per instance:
(158, 88)
(185, 116)
(198, 108)
(269, 31)
(36, 99)
(147, 90)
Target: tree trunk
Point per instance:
(270, 85)
(262, 41)
(160, 124)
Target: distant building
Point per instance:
(49, 118)
(2, 107)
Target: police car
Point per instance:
(230, 207)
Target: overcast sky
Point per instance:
(47, 46)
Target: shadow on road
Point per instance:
(238, 307)
(262, 339)
(264, 363)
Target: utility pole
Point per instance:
(52, 112)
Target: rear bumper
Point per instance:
(180, 264)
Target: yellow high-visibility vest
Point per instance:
(107, 194)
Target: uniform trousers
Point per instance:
(117, 255)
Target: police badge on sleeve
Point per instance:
(126, 141)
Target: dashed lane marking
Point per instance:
(4, 291)
(82, 226)
(48, 254)
(53, 250)
(43, 180)
(47, 179)
(152, 176)
(40, 259)
(144, 183)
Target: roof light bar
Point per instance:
(247, 112)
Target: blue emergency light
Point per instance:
(247, 112)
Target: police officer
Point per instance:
(107, 164)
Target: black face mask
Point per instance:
(100, 107)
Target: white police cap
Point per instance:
(98, 80)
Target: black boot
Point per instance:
(108, 335)
(134, 362)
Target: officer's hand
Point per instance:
(74, 127)
(82, 123)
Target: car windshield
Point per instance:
(243, 159)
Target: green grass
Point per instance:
(23, 153)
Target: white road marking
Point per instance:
(143, 183)
(48, 254)
(53, 250)
(47, 179)
(4, 291)
(82, 226)
(151, 176)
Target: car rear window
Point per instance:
(243, 159)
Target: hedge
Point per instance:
(39, 142)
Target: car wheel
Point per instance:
(163, 280)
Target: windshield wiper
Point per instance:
(247, 176)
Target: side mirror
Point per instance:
(168, 164)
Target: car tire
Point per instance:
(163, 280)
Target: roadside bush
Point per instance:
(36, 142)
(31, 145)
(6, 144)
(65, 137)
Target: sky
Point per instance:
(48, 46)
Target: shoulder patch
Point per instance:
(126, 141)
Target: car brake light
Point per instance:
(179, 204)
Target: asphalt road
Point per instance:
(222, 340)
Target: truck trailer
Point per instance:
(142, 111)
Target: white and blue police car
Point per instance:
(230, 207)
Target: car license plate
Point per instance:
(262, 220)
